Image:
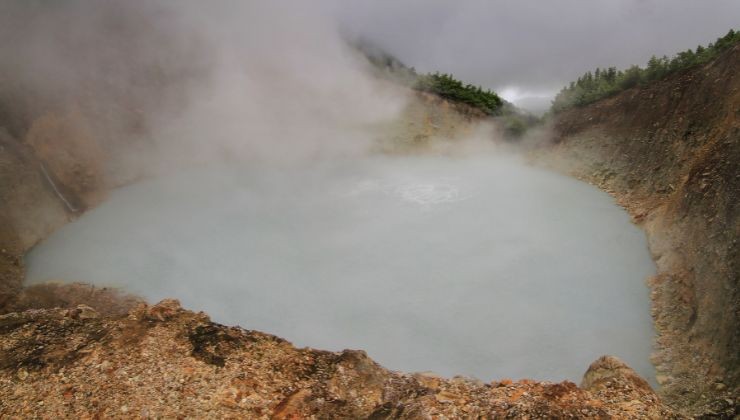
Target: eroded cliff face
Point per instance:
(670, 153)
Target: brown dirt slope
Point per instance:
(165, 362)
(47, 176)
(28, 211)
(670, 152)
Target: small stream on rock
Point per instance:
(479, 266)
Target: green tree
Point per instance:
(591, 87)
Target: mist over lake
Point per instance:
(482, 266)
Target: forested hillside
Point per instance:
(601, 83)
(443, 85)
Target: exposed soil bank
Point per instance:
(670, 153)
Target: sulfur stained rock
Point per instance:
(185, 366)
(292, 405)
(358, 378)
(83, 312)
(164, 310)
(428, 379)
(608, 369)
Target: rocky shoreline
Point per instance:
(163, 361)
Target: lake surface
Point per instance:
(483, 266)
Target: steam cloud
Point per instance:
(185, 81)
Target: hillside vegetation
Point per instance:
(513, 121)
(446, 86)
(443, 85)
(605, 82)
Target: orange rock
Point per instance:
(164, 310)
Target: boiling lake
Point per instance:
(484, 267)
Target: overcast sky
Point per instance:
(529, 49)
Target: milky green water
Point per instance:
(477, 266)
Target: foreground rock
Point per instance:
(163, 361)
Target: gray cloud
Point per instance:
(525, 50)
(535, 46)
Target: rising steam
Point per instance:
(173, 82)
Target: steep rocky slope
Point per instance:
(670, 153)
